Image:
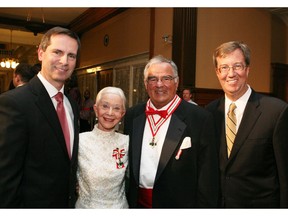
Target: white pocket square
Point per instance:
(185, 145)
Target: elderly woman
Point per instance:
(103, 155)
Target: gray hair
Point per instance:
(227, 48)
(111, 90)
(160, 59)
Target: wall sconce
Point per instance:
(91, 70)
(94, 69)
(166, 38)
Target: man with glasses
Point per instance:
(172, 153)
(252, 136)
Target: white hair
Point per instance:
(111, 90)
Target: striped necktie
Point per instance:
(231, 123)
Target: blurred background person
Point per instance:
(72, 89)
(22, 74)
(11, 85)
(187, 95)
(36, 68)
(87, 115)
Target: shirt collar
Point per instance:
(241, 102)
(52, 91)
(162, 108)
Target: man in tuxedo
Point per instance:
(253, 150)
(38, 156)
(172, 152)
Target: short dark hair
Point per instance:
(46, 39)
(25, 72)
(189, 89)
(36, 68)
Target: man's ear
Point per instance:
(17, 79)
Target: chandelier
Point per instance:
(9, 62)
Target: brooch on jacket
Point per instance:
(118, 154)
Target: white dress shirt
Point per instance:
(150, 155)
(52, 91)
(240, 106)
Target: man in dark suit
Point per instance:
(22, 74)
(172, 152)
(37, 169)
(254, 169)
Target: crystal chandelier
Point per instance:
(9, 62)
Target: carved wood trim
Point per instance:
(93, 17)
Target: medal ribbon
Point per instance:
(155, 126)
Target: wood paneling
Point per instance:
(104, 79)
(204, 96)
(280, 81)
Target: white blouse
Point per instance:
(102, 165)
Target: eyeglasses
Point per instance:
(224, 69)
(152, 80)
(108, 107)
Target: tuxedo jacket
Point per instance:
(35, 169)
(256, 173)
(191, 181)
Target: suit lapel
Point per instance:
(172, 140)
(76, 127)
(220, 130)
(45, 105)
(138, 130)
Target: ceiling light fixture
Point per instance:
(10, 61)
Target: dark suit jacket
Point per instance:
(35, 169)
(191, 181)
(256, 174)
